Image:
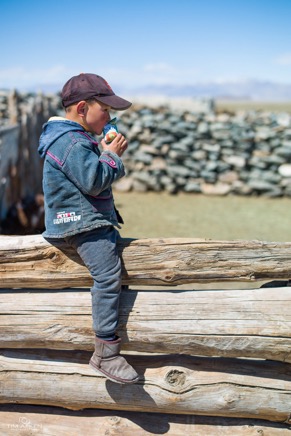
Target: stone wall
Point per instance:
(246, 153)
(176, 150)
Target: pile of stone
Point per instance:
(245, 153)
(186, 149)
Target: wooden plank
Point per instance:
(48, 421)
(170, 384)
(30, 261)
(250, 323)
(9, 177)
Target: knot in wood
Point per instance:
(175, 377)
(114, 420)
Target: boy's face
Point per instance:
(96, 115)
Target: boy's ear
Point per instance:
(81, 108)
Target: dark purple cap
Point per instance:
(86, 86)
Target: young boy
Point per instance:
(79, 205)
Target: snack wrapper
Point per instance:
(110, 130)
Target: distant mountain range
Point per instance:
(254, 90)
(246, 90)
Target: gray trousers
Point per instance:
(98, 251)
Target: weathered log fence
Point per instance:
(20, 164)
(211, 361)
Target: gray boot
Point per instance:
(107, 360)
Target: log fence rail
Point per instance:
(210, 361)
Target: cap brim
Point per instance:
(117, 103)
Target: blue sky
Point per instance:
(135, 43)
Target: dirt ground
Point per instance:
(160, 215)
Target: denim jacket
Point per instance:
(77, 180)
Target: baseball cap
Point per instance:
(86, 86)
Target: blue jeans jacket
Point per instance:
(77, 180)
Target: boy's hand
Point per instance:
(118, 145)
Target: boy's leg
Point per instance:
(98, 251)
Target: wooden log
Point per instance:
(47, 421)
(31, 165)
(251, 323)
(9, 177)
(170, 384)
(30, 261)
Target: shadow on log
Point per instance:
(56, 421)
(187, 385)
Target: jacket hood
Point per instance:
(53, 130)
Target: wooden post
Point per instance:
(13, 108)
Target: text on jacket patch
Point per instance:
(66, 217)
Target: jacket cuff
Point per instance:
(112, 159)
